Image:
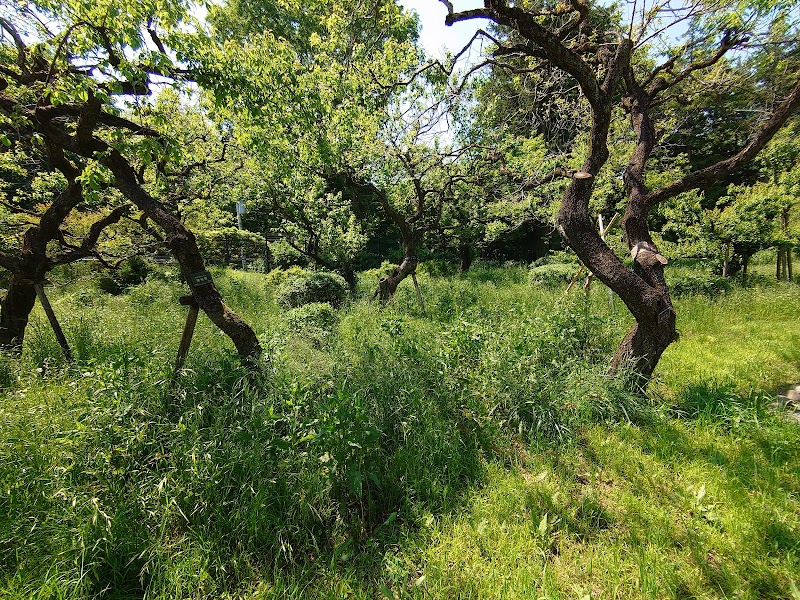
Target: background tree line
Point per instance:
(137, 129)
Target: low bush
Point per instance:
(306, 288)
(278, 276)
(320, 315)
(131, 272)
(551, 275)
(699, 284)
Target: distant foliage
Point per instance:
(693, 284)
(306, 288)
(284, 256)
(439, 267)
(224, 245)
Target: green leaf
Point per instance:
(543, 525)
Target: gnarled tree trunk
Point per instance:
(15, 310)
(387, 287)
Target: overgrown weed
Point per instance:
(374, 459)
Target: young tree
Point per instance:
(745, 223)
(312, 114)
(66, 88)
(636, 68)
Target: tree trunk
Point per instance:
(465, 258)
(643, 290)
(779, 263)
(350, 277)
(15, 310)
(408, 266)
(183, 245)
(726, 260)
(388, 285)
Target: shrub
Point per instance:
(439, 267)
(559, 257)
(224, 245)
(312, 287)
(278, 276)
(378, 273)
(131, 272)
(705, 285)
(551, 275)
(320, 315)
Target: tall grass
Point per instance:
(372, 452)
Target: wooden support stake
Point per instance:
(574, 279)
(419, 294)
(51, 316)
(188, 332)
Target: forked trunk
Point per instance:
(407, 267)
(15, 310)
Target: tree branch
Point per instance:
(725, 167)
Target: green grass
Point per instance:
(476, 450)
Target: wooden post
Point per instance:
(571, 283)
(51, 316)
(419, 294)
(188, 332)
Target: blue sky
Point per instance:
(436, 36)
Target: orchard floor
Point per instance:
(474, 451)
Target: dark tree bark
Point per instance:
(183, 245)
(15, 310)
(178, 238)
(387, 287)
(607, 79)
(32, 264)
(465, 258)
(350, 277)
(71, 129)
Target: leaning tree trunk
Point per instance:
(387, 287)
(15, 310)
(183, 245)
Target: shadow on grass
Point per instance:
(741, 540)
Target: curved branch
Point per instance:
(22, 49)
(727, 166)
